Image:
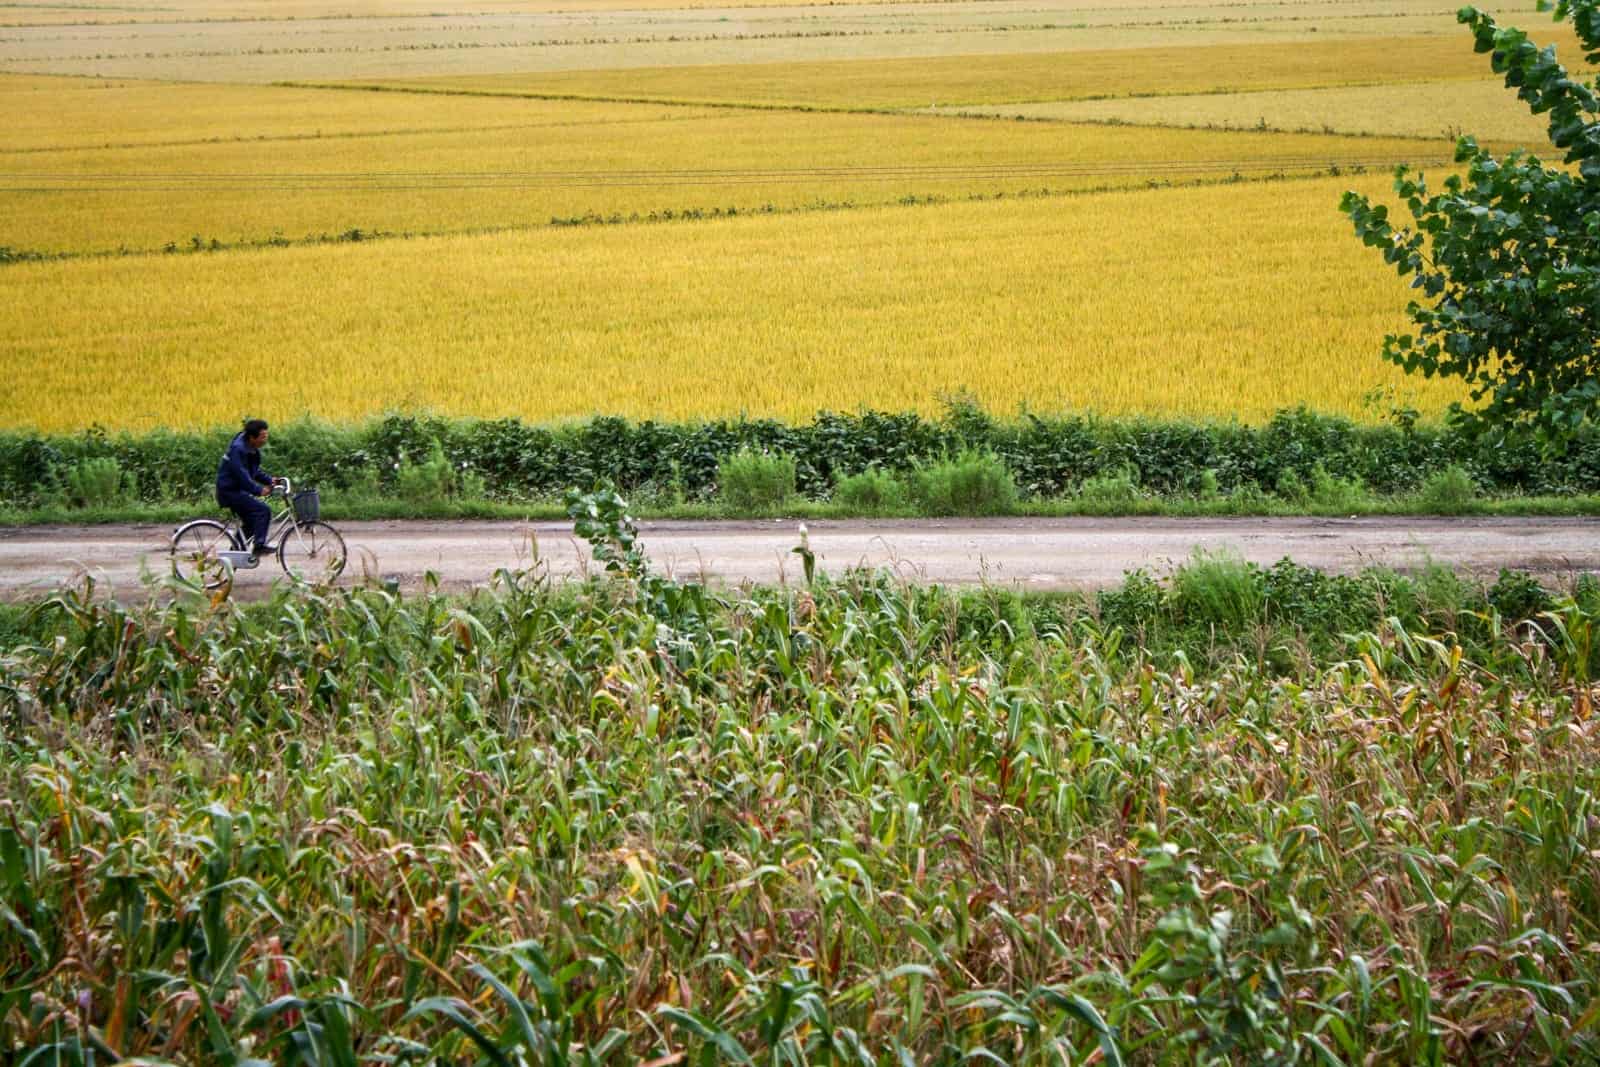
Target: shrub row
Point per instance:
(1046, 456)
(1218, 600)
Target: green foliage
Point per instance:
(1113, 491)
(1337, 494)
(430, 481)
(95, 482)
(1318, 603)
(1442, 593)
(1053, 457)
(753, 480)
(1235, 974)
(1508, 257)
(504, 459)
(1137, 604)
(1518, 596)
(1448, 492)
(972, 483)
(601, 518)
(1291, 487)
(1217, 589)
(873, 491)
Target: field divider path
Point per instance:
(409, 180)
(1023, 553)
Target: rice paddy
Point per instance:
(557, 39)
(1441, 110)
(1001, 77)
(404, 163)
(1171, 301)
(692, 212)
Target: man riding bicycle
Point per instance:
(241, 483)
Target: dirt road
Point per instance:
(1026, 553)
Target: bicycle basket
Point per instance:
(307, 505)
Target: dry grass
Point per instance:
(1216, 301)
(1424, 109)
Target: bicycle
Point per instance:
(207, 552)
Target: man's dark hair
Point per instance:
(253, 427)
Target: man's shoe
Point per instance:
(264, 550)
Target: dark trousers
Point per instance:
(252, 512)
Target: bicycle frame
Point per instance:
(279, 526)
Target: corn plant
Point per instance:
(861, 822)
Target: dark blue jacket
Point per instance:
(240, 470)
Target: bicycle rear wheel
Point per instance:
(196, 553)
(311, 552)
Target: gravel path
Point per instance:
(1027, 553)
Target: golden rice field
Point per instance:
(1228, 300)
(520, 163)
(1107, 259)
(55, 113)
(590, 51)
(1004, 77)
(113, 11)
(557, 39)
(1419, 109)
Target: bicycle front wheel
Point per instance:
(196, 553)
(311, 552)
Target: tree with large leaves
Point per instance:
(1507, 256)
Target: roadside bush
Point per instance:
(1248, 499)
(1115, 491)
(1448, 492)
(1136, 604)
(1442, 592)
(430, 482)
(872, 491)
(1291, 487)
(757, 481)
(1518, 596)
(973, 483)
(1586, 593)
(1218, 589)
(1047, 457)
(1337, 494)
(95, 482)
(1315, 601)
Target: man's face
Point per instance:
(258, 440)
